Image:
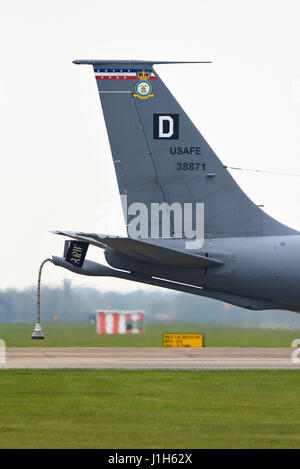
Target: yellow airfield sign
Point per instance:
(183, 340)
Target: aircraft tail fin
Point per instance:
(160, 156)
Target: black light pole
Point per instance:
(37, 333)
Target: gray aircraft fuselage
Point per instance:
(265, 268)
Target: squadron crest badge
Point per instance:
(143, 88)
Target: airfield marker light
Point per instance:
(38, 333)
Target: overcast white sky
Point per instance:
(56, 167)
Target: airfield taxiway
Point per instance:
(210, 358)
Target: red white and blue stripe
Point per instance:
(120, 74)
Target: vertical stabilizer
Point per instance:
(160, 156)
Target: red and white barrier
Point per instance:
(108, 322)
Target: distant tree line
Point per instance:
(78, 304)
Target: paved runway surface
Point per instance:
(150, 358)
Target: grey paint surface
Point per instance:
(146, 172)
(248, 258)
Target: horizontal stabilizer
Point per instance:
(154, 254)
(146, 251)
(81, 237)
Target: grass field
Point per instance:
(149, 409)
(84, 335)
